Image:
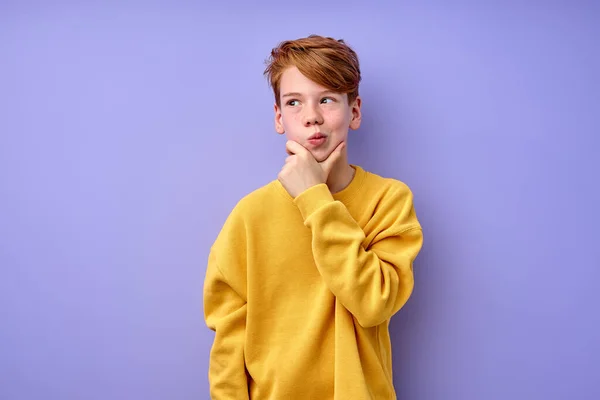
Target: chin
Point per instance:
(321, 154)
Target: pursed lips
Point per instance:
(316, 140)
(317, 135)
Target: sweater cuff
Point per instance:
(312, 199)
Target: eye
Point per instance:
(331, 100)
(292, 103)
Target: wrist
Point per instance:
(312, 199)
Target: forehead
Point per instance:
(292, 80)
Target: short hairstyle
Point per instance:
(329, 62)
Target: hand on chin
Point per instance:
(303, 168)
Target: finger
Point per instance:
(328, 163)
(336, 153)
(295, 148)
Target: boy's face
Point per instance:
(312, 115)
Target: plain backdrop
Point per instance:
(129, 130)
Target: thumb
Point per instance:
(335, 155)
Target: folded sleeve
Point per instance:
(373, 281)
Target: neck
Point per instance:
(341, 175)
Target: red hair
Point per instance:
(326, 61)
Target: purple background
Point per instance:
(128, 132)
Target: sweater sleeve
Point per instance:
(373, 282)
(225, 313)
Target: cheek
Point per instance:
(339, 121)
(291, 135)
(289, 119)
(293, 126)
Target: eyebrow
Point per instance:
(296, 94)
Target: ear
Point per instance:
(278, 120)
(356, 113)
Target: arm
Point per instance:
(225, 313)
(372, 282)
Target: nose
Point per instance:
(312, 116)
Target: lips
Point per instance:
(316, 136)
(316, 140)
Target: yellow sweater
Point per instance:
(300, 291)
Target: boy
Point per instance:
(307, 270)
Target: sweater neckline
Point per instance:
(346, 195)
